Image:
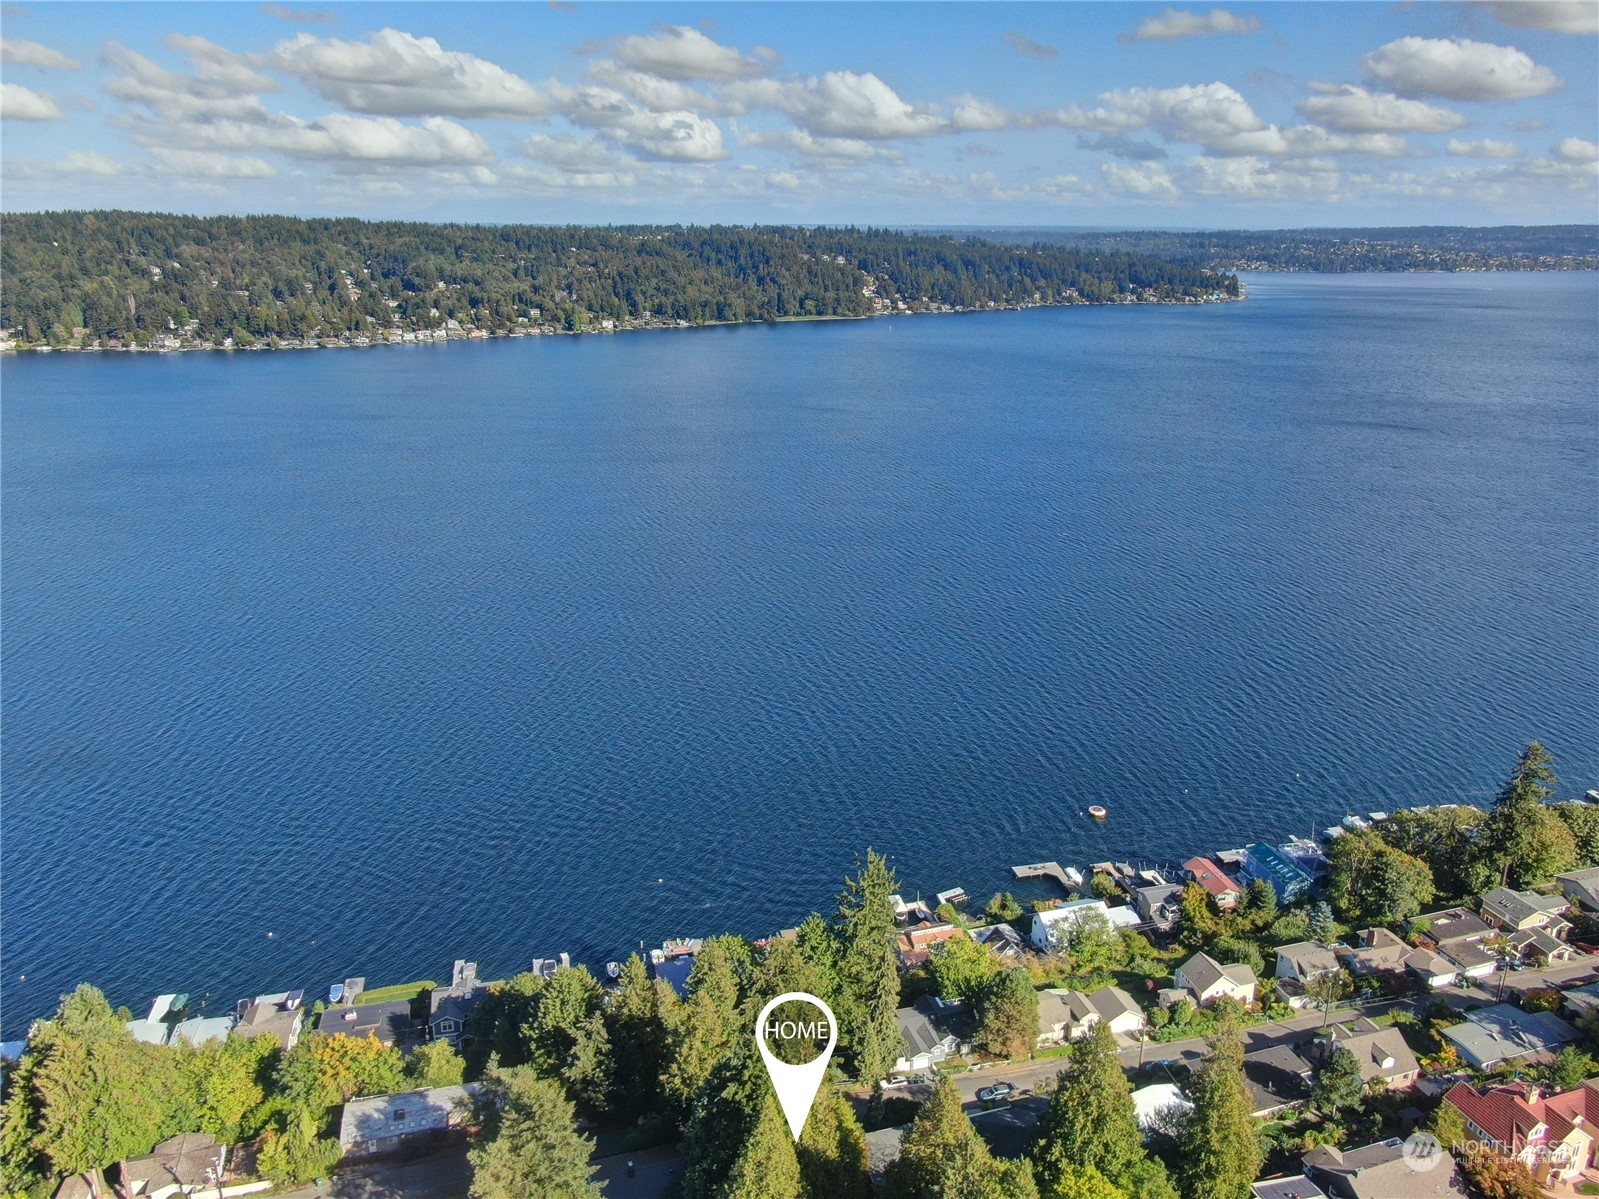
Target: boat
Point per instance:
(1097, 812)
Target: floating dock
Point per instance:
(1052, 870)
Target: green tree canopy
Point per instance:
(1220, 1149)
(530, 1144)
(1008, 1015)
(869, 967)
(962, 968)
(1090, 1122)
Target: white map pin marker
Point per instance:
(796, 1086)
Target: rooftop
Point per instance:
(377, 1117)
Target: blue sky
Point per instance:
(1181, 116)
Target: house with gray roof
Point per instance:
(180, 1165)
(1384, 1057)
(1379, 951)
(1515, 911)
(1581, 887)
(383, 1124)
(279, 1016)
(1207, 980)
(924, 1045)
(1159, 905)
(1003, 941)
(1503, 1033)
(390, 1022)
(451, 1007)
(1069, 1015)
(1278, 1078)
(1536, 946)
(1452, 924)
(1382, 1171)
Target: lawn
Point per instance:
(398, 991)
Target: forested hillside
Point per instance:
(1424, 248)
(119, 278)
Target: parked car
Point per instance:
(993, 1094)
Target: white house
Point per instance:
(1069, 1015)
(1051, 926)
(924, 1044)
(1207, 980)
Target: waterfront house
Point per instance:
(1581, 888)
(1536, 946)
(1267, 863)
(1003, 941)
(389, 1022)
(1158, 905)
(451, 1007)
(197, 1030)
(916, 943)
(1516, 911)
(156, 1028)
(1503, 1033)
(1552, 1135)
(182, 1165)
(1278, 1078)
(1385, 1058)
(1050, 926)
(378, 1125)
(1382, 1171)
(1224, 892)
(1207, 980)
(279, 1016)
(923, 1045)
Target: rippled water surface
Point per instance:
(335, 663)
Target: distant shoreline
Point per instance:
(604, 328)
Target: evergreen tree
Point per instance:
(1321, 927)
(735, 1131)
(701, 1030)
(1081, 1182)
(1008, 1014)
(832, 1150)
(767, 1166)
(870, 968)
(1220, 1146)
(1338, 1086)
(942, 1157)
(530, 1146)
(1090, 1122)
(1527, 840)
(638, 1039)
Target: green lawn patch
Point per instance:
(397, 991)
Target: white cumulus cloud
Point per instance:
(1559, 16)
(209, 164)
(1211, 115)
(1351, 109)
(1485, 148)
(1177, 23)
(18, 103)
(398, 74)
(1575, 149)
(1147, 179)
(655, 93)
(683, 53)
(343, 139)
(666, 136)
(32, 54)
(1459, 69)
(843, 104)
(222, 87)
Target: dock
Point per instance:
(1052, 870)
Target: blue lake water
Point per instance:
(353, 662)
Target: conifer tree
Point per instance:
(1220, 1146)
(942, 1157)
(530, 1146)
(1009, 1015)
(735, 1132)
(1321, 926)
(870, 968)
(434, 1064)
(1527, 839)
(832, 1150)
(767, 1166)
(638, 1039)
(701, 1030)
(1090, 1121)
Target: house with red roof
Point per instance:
(1553, 1135)
(1223, 890)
